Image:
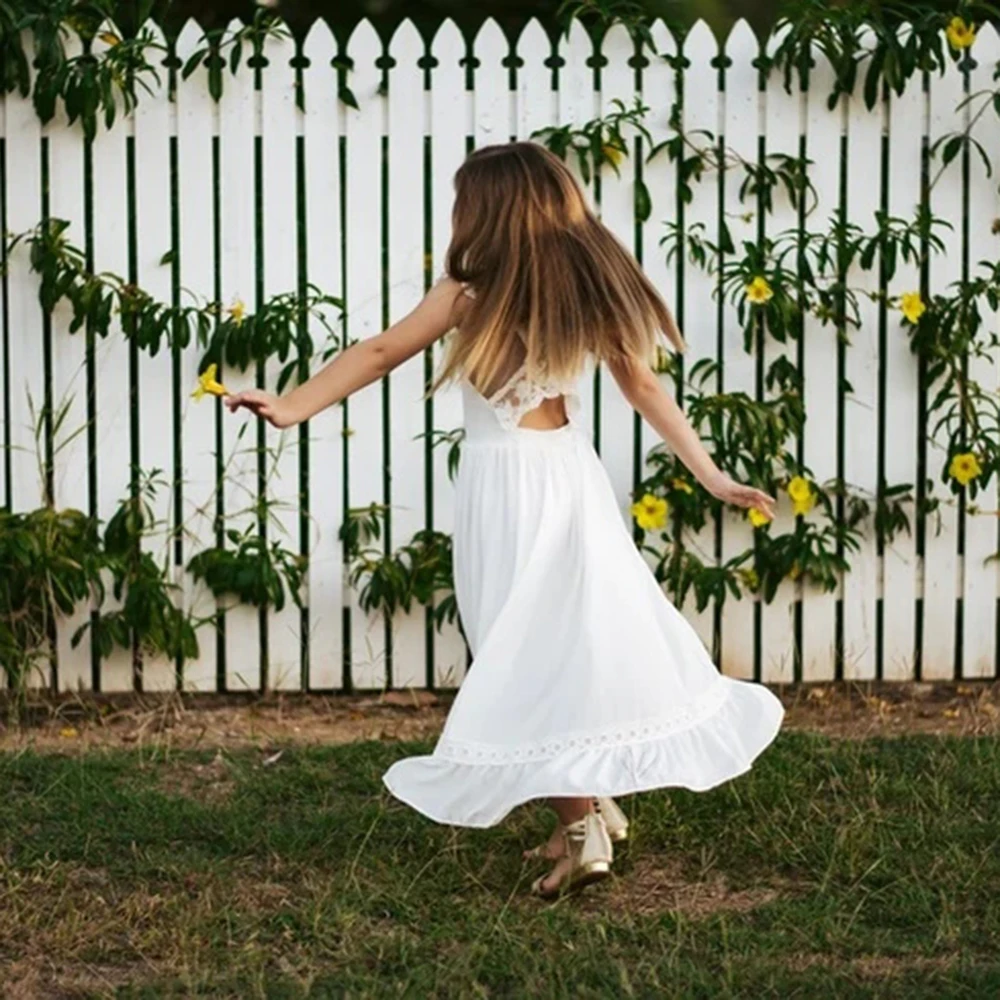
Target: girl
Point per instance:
(586, 682)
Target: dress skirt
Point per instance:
(585, 679)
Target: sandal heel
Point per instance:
(588, 847)
(614, 819)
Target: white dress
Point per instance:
(585, 680)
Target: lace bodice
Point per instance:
(520, 394)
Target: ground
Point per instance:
(166, 848)
(74, 724)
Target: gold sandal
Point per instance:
(614, 819)
(588, 847)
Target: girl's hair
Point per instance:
(551, 284)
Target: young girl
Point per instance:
(586, 682)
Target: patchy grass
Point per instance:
(834, 869)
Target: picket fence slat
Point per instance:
(197, 126)
(617, 210)
(576, 99)
(703, 103)
(659, 94)
(365, 446)
(407, 108)
(861, 402)
(900, 565)
(979, 576)
(535, 96)
(69, 378)
(740, 128)
(941, 563)
(237, 283)
(154, 126)
(782, 131)
(821, 372)
(324, 227)
(279, 126)
(448, 142)
(272, 195)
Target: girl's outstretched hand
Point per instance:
(739, 495)
(271, 408)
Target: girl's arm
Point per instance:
(643, 390)
(361, 363)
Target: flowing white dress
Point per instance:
(585, 680)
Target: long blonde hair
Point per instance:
(551, 284)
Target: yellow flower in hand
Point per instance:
(650, 512)
(757, 517)
(964, 468)
(960, 34)
(802, 495)
(912, 306)
(683, 485)
(237, 311)
(759, 291)
(207, 385)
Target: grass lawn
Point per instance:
(836, 868)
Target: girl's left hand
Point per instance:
(740, 495)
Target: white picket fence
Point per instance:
(372, 246)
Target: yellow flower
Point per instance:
(960, 34)
(799, 488)
(802, 495)
(237, 311)
(207, 384)
(912, 306)
(613, 154)
(650, 512)
(802, 507)
(759, 291)
(109, 38)
(750, 578)
(964, 468)
(757, 517)
(683, 485)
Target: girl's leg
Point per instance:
(567, 811)
(570, 810)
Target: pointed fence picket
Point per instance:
(697, 312)
(740, 130)
(941, 610)
(200, 431)
(406, 280)
(325, 441)
(982, 209)
(281, 183)
(71, 473)
(782, 129)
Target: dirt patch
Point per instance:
(650, 888)
(75, 724)
(210, 783)
(875, 967)
(40, 978)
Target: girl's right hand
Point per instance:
(741, 495)
(271, 408)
